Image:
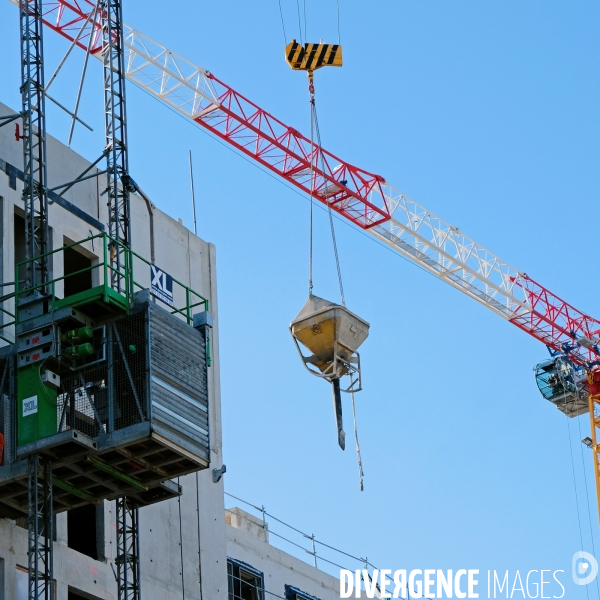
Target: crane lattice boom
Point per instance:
(364, 198)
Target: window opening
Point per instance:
(292, 593)
(85, 530)
(76, 596)
(19, 238)
(244, 582)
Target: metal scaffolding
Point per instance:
(118, 182)
(40, 546)
(128, 551)
(34, 142)
(118, 188)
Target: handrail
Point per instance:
(189, 305)
(4, 311)
(192, 298)
(65, 247)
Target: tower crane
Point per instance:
(570, 379)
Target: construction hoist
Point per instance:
(328, 330)
(33, 295)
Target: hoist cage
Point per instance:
(125, 418)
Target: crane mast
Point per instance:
(33, 96)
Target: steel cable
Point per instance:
(358, 457)
(282, 23)
(304, 8)
(315, 119)
(258, 509)
(299, 22)
(312, 192)
(562, 380)
(587, 493)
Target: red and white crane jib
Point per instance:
(350, 191)
(365, 199)
(445, 251)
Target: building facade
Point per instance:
(191, 548)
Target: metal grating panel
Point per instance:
(83, 402)
(179, 381)
(130, 373)
(7, 417)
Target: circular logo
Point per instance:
(585, 568)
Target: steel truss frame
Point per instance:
(362, 197)
(128, 551)
(118, 184)
(40, 548)
(40, 521)
(118, 188)
(594, 409)
(34, 142)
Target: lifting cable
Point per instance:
(358, 457)
(576, 495)
(304, 9)
(299, 22)
(563, 382)
(282, 23)
(314, 129)
(587, 493)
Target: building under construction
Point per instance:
(129, 407)
(110, 413)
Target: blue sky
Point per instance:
(487, 114)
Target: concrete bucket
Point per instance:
(333, 334)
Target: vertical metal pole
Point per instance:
(312, 537)
(34, 144)
(40, 530)
(263, 510)
(193, 194)
(128, 551)
(594, 401)
(118, 183)
(199, 544)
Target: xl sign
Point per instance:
(162, 285)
